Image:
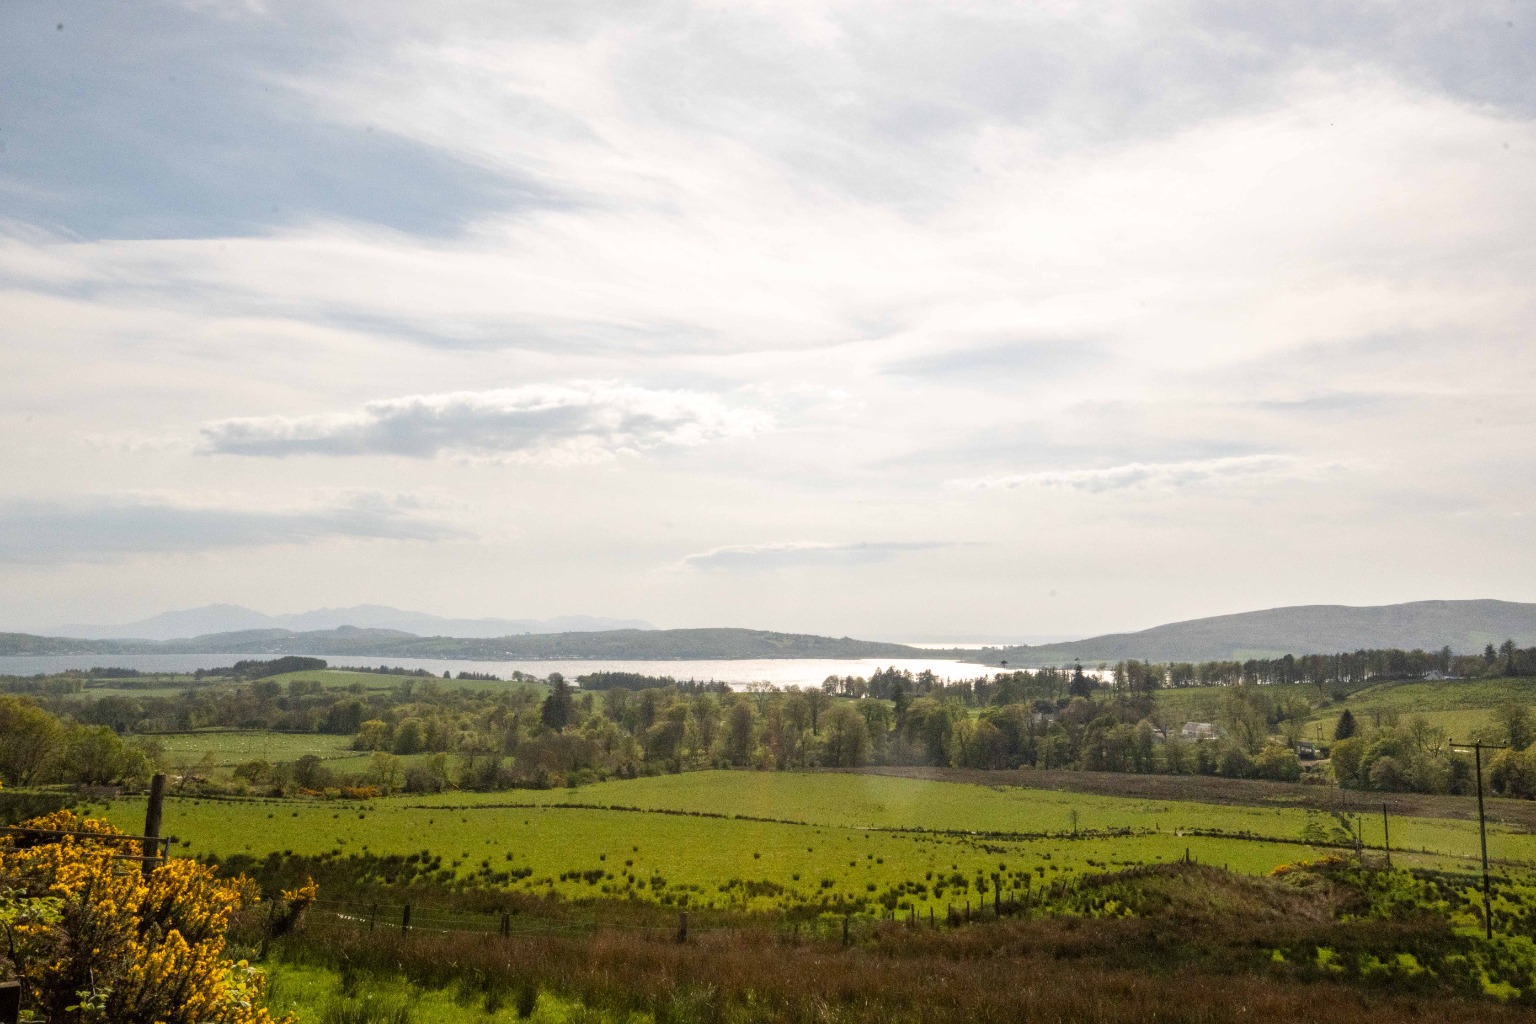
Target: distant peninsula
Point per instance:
(606, 645)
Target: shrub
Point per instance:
(99, 943)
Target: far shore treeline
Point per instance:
(417, 734)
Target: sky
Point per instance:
(858, 318)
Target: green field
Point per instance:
(226, 748)
(1458, 706)
(839, 837)
(340, 679)
(316, 995)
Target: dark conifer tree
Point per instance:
(559, 707)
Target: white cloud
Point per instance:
(577, 422)
(803, 554)
(1151, 475)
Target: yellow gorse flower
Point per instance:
(154, 947)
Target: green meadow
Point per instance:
(1459, 706)
(226, 748)
(692, 839)
(341, 679)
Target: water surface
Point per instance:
(739, 673)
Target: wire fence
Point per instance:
(405, 918)
(152, 850)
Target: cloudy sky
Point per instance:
(881, 319)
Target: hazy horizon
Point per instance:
(841, 318)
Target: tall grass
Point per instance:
(1186, 967)
(368, 1009)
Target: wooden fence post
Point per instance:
(682, 926)
(10, 1002)
(152, 814)
(846, 919)
(373, 915)
(405, 919)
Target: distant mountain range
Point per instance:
(1464, 626)
(231, 618)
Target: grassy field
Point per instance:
(1458, 706)
(340, 679)
(226, 748)
(317, 995)
(838, 837)
(215, 753)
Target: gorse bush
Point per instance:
(92, 939)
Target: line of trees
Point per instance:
(426, 736)
(1330, 670)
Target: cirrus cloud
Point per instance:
(577, 422)
(1161, 475)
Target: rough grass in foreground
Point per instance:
(1202, 947)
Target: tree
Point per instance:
(818, 700)
(310, 772)
(559, 707)
(930, 724)
(94, 756)
(1513, 773)
(257, 772)
(847, 742)
(1514, 721)
(372, 735)
(1277, 761)
(408, 736)
(1345, 760)
(1243, 714)
(1387, 774)
(1345, 727)
(740, 732)
(30, 741)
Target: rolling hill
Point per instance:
(1465, 626)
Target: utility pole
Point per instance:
(1477, 747)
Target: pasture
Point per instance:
(340, 678)
(1459, 706)
(226, 748)
(837, 839)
